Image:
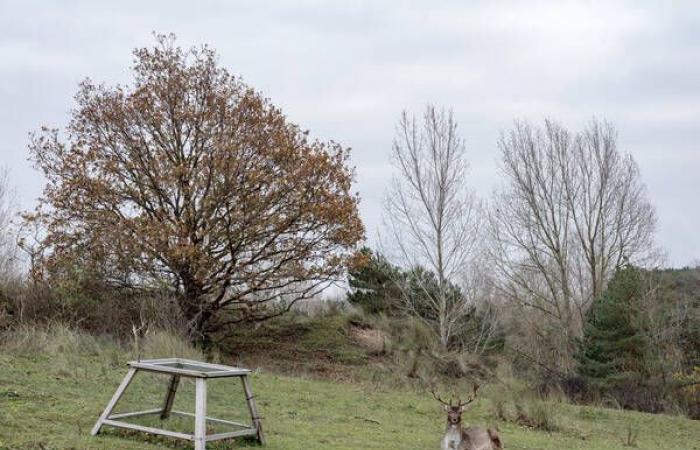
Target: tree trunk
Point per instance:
(198, 315)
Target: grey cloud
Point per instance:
(345, 70)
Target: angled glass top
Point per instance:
(188, 368)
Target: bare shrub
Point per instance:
(536, 413)
(160, 343)
(512, 400)
(54, 338)
(92, 308)
(629, 439)
(68, 346)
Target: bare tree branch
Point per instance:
(572, 209)
(192, 178)
(431, 217)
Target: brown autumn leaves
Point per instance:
(190, 179)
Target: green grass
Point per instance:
(311, 345)
(51, 394)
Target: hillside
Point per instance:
(54, 385)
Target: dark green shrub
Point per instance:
(373, 285)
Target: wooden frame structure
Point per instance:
(201, 372)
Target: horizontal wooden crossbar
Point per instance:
(133, 426)
(135, 413)
(232, 434)
(246, 431)
(177, 413)
(213, 419)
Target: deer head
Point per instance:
(457, 437)
(454, 411)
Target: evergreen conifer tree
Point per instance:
(373, 284)
(613, 348)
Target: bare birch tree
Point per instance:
(572, 209)
(431, 216)
(8, 244)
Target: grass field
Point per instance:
(52, 388)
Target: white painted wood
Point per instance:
(213, 419)
(172, 370)
(134, 414)
(200, 414)
(113, 402)
(133, 426)
(250, 399)
(233, 369)
(232, 434)
(216, 370)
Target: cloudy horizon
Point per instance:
(345, 72)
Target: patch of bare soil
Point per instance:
(374, 341)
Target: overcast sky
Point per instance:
(345, 70)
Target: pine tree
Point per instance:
(373, 284)
(613, 348)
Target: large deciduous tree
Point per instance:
(189, 177)
(571, 210)
(432, 219)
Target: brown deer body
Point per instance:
(457, 437)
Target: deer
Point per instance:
(457, 437)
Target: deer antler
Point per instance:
(436, 397)
(470, 399)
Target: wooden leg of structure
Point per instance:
(250, 399)
(170, 397)
(200, 414)
(112, 403)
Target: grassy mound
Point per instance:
(301, 344)
(54, 383)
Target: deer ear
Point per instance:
(446, 408)
(462, 408)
